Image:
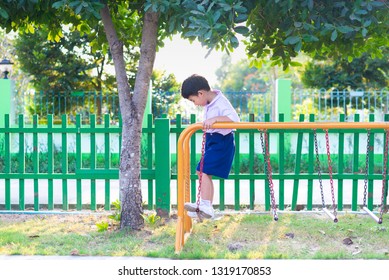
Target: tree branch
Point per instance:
(116, 47)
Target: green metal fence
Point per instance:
(292, 158)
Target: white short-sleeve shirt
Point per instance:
(220, 106)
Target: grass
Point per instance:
(232, 236)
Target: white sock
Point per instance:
(206, 202)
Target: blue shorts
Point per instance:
(219, 154)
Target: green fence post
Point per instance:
(107, 161)
(311, 165)
(386, 119)
(297, 167)
(64, 164)
(92, 125)
(354, 203)
(340, 165)
(21, 157)
(50, 163)
(35, 161)
(78, 161)
(7, 162)
(281, 162)
(251, 164)
(371, 168)
(162, 166)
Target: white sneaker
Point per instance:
(206, 212)
(194, 215)
(191, 207)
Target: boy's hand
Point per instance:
(208, 123)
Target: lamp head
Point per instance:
(5, 67)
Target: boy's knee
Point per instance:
(203, 174)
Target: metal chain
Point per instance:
(330, 172)
(384, 170)
(366, 168)
(266, 155)
(200, 173)
(319, 169)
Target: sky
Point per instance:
(183, 59)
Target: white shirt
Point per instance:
(220, 106)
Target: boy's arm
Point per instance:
(208, 123)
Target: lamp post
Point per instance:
(5, 67)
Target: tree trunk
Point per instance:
(132, 106)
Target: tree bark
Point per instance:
(132, 106)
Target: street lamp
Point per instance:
(5, 67)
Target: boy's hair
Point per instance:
(193, 84)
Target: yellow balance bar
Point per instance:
(184, 224)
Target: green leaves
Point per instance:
(215, 23)
(330, 29)
(241, 30)
(234, 41)
(292, 40)
(282, 28)
(334, 35)
(58, 4)
(345, 29)
(3, 13)
(84, 8)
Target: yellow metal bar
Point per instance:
(187, 220)
(295, 125)
(183, 157)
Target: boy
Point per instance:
(219, 145)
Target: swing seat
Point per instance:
(329, 214)
(372, 215)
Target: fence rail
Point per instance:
(56, 160)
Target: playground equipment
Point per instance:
(332, 216)
(200, 177)
(184, 223)
(364, 206)
(269, 173)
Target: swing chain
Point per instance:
(266, 155)
(200, 173)
(318, 168)
(366, 167)
(384, 171)
(330, 171)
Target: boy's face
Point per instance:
(198, 100)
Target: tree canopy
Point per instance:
(274, 29)
(53, 66)
(363, 72)
(329, 29)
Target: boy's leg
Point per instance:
(207, 190)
